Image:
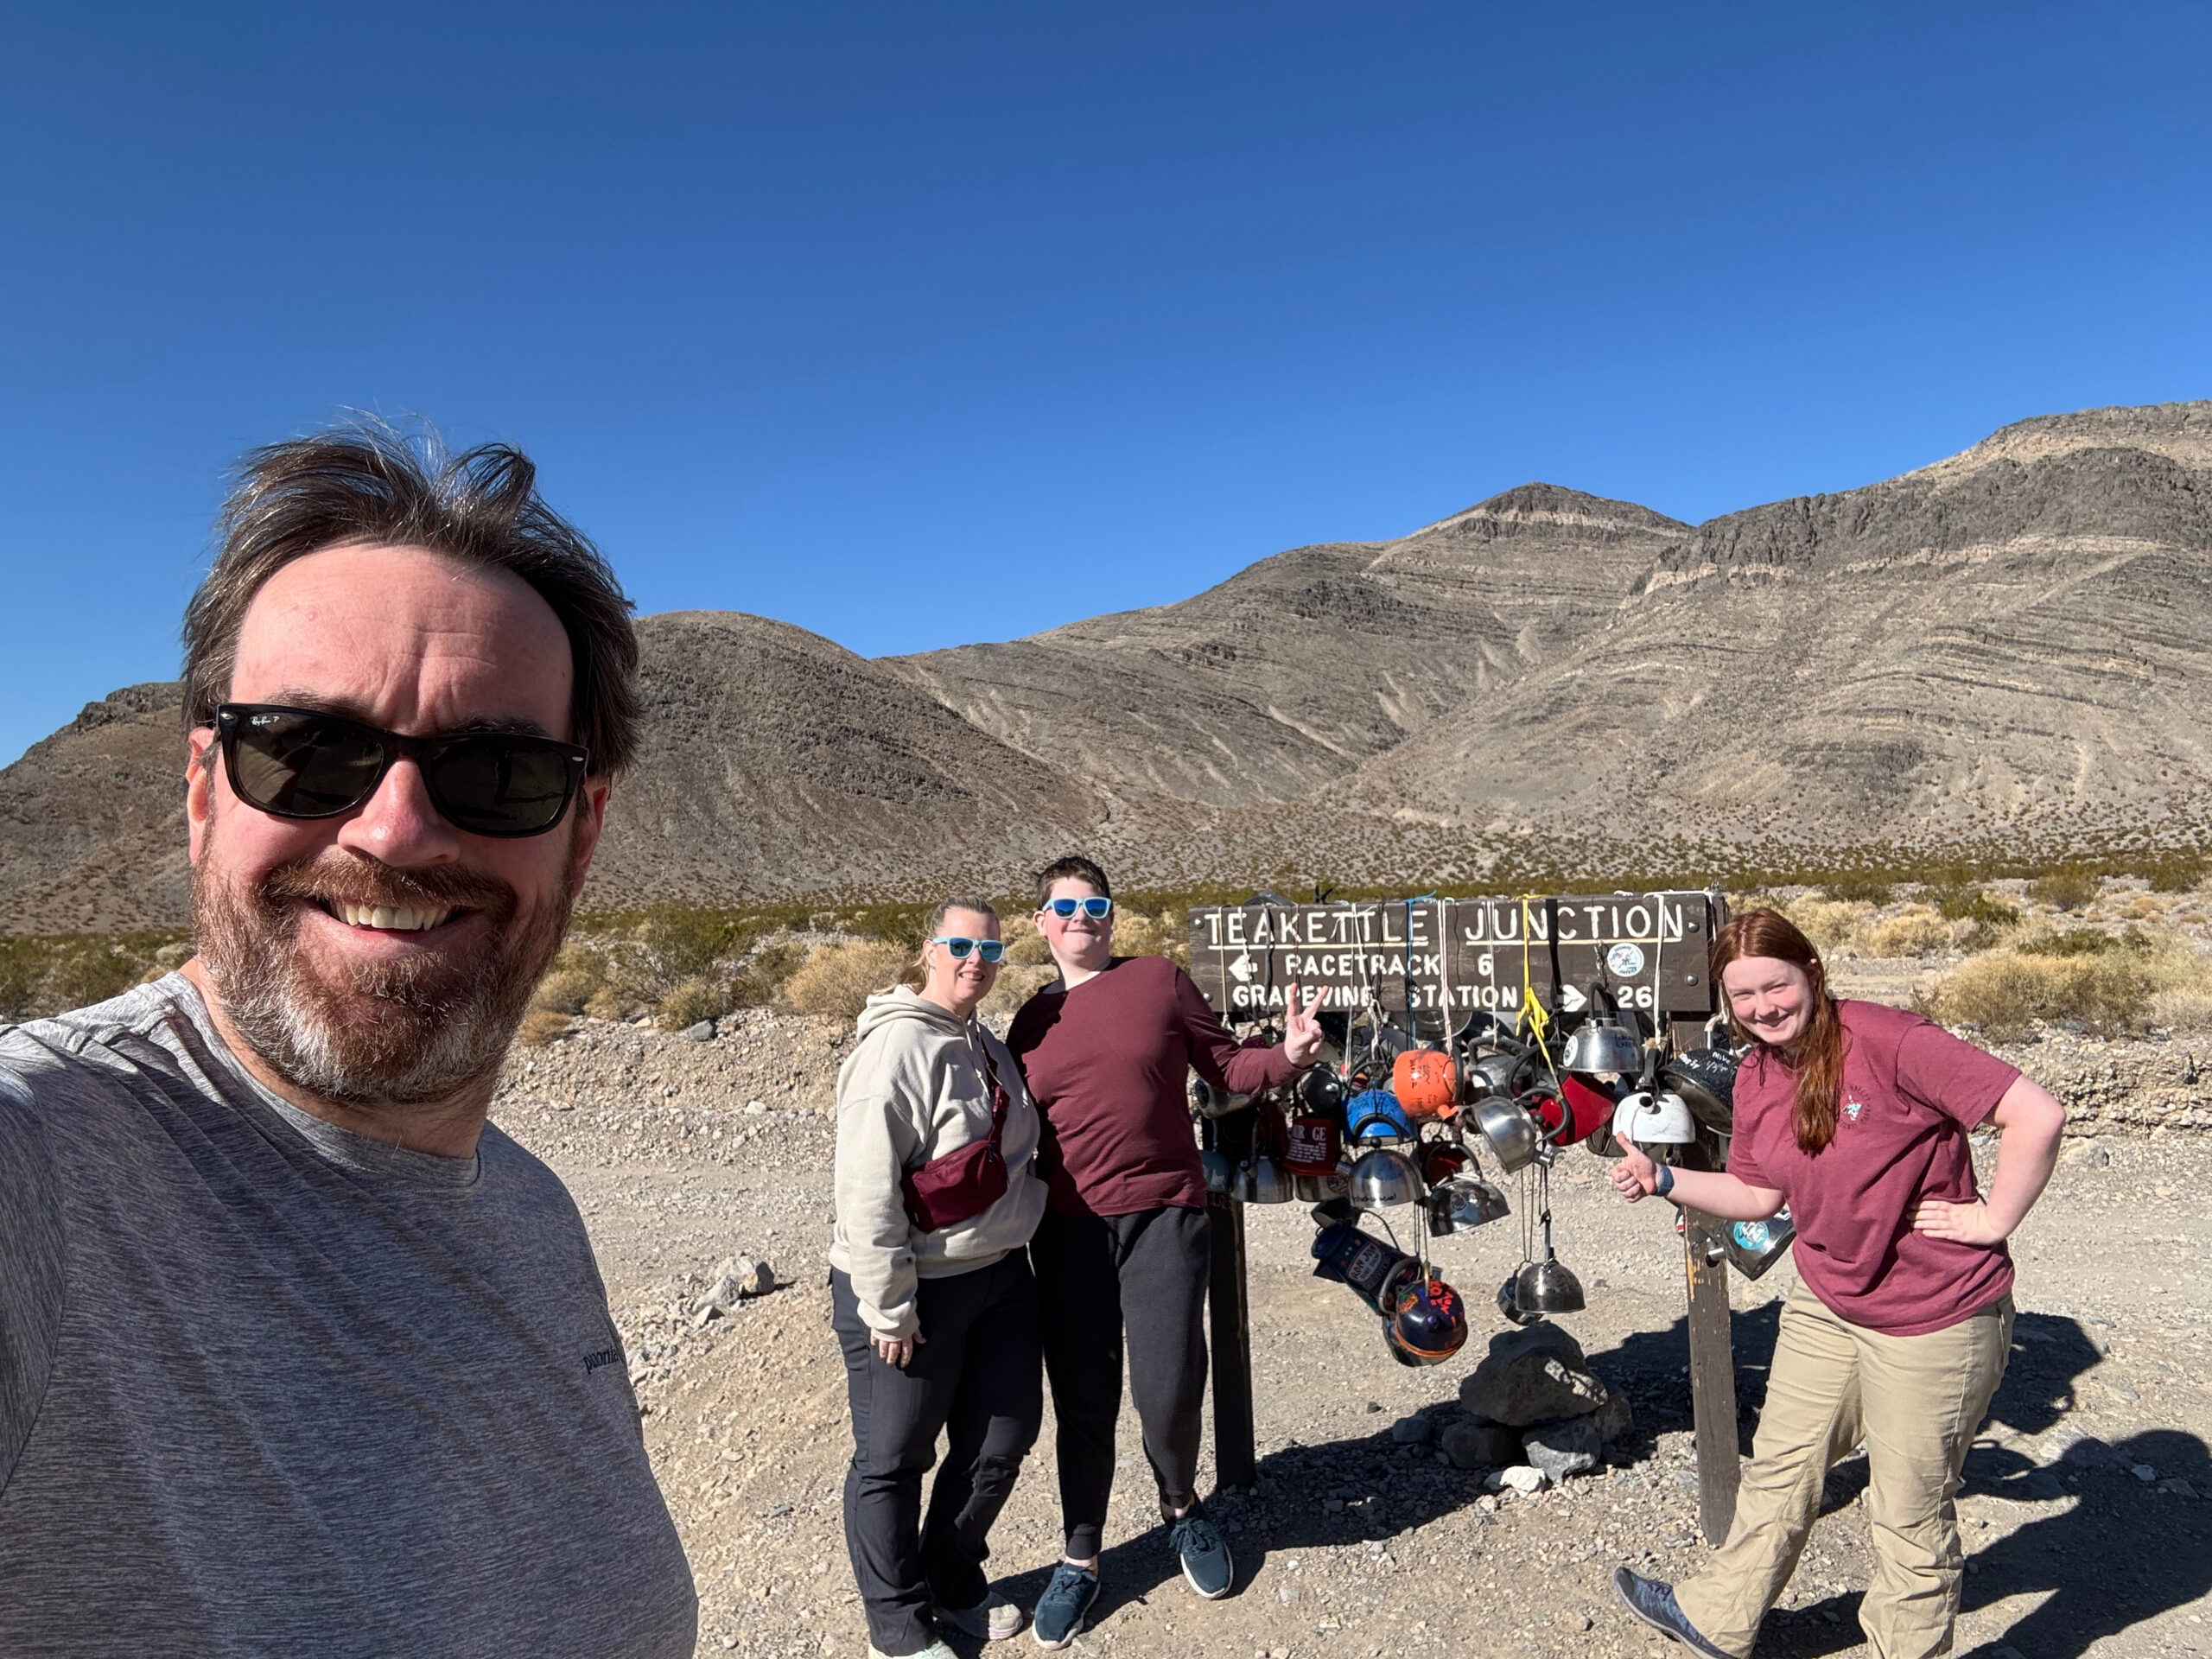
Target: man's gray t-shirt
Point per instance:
(268, 1387)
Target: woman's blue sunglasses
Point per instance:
(1064, 908)
(960, 949)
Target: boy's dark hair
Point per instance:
(368, 483)
(1075, 867)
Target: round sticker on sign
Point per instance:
(1625, 960)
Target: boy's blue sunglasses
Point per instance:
(1064, 908)
(959, 950)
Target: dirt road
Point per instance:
(2088, 1510)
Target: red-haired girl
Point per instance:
(1856, 1116)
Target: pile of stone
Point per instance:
(1533, 1412)
(733, 1278)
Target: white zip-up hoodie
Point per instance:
(915, 1088)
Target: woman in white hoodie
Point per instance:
(930, 1291)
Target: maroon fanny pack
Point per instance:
(961, 1184)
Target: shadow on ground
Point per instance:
(2122, 1551)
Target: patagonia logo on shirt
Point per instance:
(604, 1356)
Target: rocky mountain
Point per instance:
(2005, 645)
(774, 761)
(1995, 652)
(91, 820)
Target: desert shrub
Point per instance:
(1833, 924)
(1919, 931)
(2183, 1008)
(2065, 888)
(1857, 889)
(23, 970)
(84, 970)
(2179, 873)
(1967, 903)
(609, 1004)
(2109, 987)
(706, 997)
(837, 979)
(1017, 983)
(682, 942)
(1024, 945)
(542, 1025)
(576, 973)
(2078, 941)
(766, 972)
(2141, 908)
(1138, 934)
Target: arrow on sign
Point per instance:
(1242, 968)
(1570, 999)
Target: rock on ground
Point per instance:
(1531, 1376)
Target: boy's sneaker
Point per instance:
(1061, 1608)
(992, 1619)
(935, 1650)
(1206, 1566)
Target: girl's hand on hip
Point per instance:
(896, 1352)
(1301, 1029)
(1962, 1224)
(1636, 1176)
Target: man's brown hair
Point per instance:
(368, 484)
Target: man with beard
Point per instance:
(297, 1353)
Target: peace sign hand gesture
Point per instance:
(1302, 1036)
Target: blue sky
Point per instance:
(914, 325)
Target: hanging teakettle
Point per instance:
(1598, 1044)
(1425, 1082)
(1268, 1181)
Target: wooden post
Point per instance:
(1235, 1453)
(1713, 1373)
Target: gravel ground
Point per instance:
(2088, 1510)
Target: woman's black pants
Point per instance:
(975, 1379)
(1101, 1275)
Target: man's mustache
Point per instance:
(366, 883)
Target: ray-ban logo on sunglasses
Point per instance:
(960, 949)
(302, 763)
(1064, 908)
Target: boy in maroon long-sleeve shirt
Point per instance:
(1125, 1242)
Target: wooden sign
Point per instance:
(1440, 959)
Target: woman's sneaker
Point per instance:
(992, 1619)
(1654, 1603)
(935, 1650)
(1206, 1566)
(1061, 1608)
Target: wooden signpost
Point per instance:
(1434, 965)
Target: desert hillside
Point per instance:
(1995, 655)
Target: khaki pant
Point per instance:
(1916, 1401)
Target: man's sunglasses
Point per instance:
(1064, 908)
(300, 763)
(960, 949)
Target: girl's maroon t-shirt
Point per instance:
(1910, 1092)
(1107, 1064)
